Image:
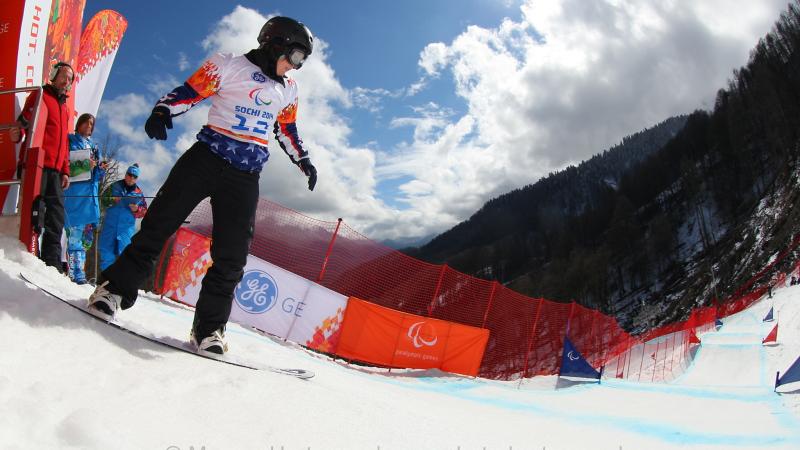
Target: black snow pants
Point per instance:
(197, 174)
(53, 196)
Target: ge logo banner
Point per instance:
(257, 293)
(422, 335)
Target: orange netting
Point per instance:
(526, 334)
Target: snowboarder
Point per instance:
(248, 94)
(124, 205)
(81, 202)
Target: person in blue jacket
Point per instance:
(126, 204)
(81, 202)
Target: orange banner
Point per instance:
(379, 335)
(188, 262)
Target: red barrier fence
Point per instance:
(526, 334)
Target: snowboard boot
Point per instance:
(215, 343)
(104, 301)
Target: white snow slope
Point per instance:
(68, 381)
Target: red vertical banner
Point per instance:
(380, 335)
(10, 31)
(64, 38)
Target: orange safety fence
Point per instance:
(526, 334)
(383, 336)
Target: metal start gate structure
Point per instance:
(31, 180)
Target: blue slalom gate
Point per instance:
(791, 375)
(573, 364)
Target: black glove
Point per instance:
(310, 171)
(158, 123)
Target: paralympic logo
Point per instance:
(257, 293)
(254, 94)
(416, 329)
(572, 356)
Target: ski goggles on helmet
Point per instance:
(296, 57)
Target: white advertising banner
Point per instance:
(100, 42)
(33, 39)
(90, 87)
(283, 304)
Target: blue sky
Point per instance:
(417, 112)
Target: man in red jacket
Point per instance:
(55, 176)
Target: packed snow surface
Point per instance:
(68, 381)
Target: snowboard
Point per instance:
(167, 341)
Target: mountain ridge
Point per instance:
(658, 232)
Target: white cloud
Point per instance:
(371, 99)
(162, 84)
(154, 159)
(183, 62)
(429, 120)
(434, 57)
(568, 79)
(237, 32)
(120, 116)
(417, 87)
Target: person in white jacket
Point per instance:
(250, 94)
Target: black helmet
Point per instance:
(281, 35)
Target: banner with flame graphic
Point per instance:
(268, 298)
(189, 260)
(100, 41)
(379, 335)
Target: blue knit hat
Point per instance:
(133, 170)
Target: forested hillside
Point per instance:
(634, 230)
